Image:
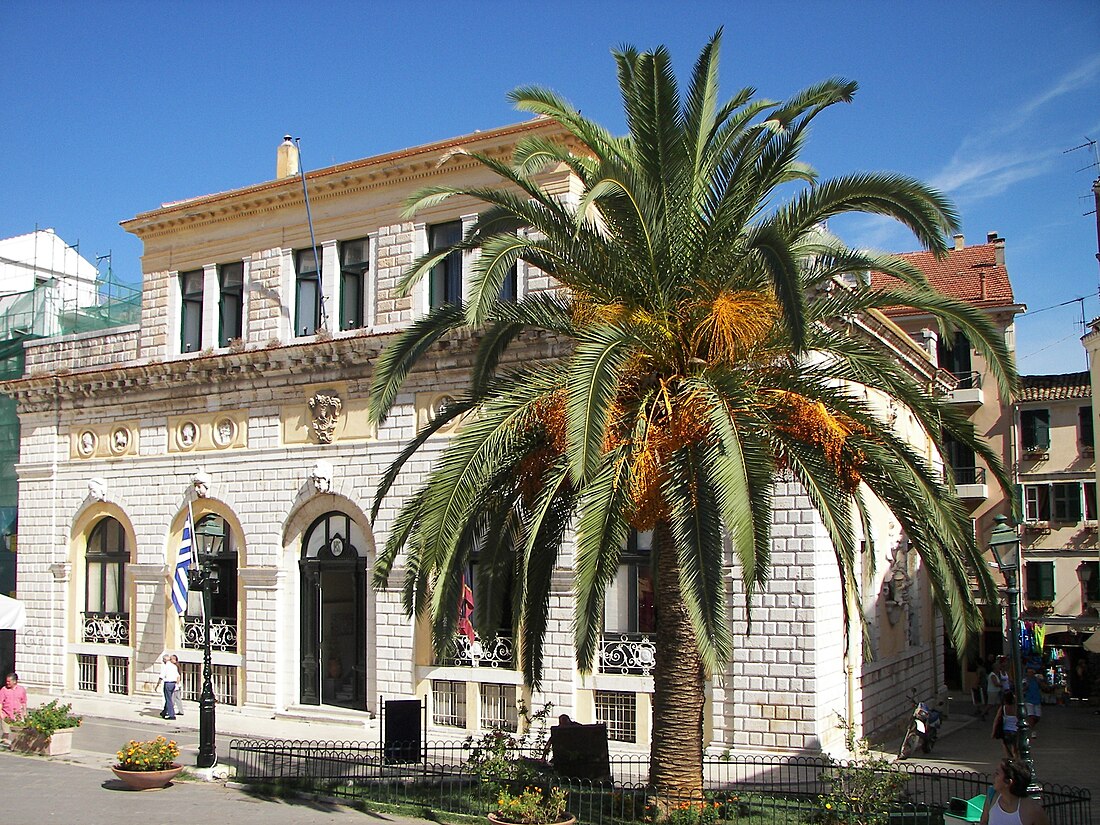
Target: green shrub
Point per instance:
(47, 719)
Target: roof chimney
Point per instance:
(286, 161)
(998, 248)
(960, 241)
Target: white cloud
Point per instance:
(993, 159)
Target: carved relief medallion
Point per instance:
(120, 440)
(326, 414)
(86, 443)
(187, 435)
(225, 430)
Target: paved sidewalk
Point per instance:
(1064, 752)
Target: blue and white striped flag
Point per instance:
(183, 563)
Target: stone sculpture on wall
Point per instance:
(326, 414)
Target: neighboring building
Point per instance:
(1057, 481)
(46, 288)
(978, 275)
(241, 396)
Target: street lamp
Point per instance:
(205, 579)
(1005, 544)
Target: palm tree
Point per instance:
(712, 343)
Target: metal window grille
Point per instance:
(449, 703)
(87, 672)
(619, 711)
(223, 679)
(498, 707)
(118, 675)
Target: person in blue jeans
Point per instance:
(169, 677)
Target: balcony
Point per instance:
(627, 654)
(970, 482)
(223, 634)
(466, 652)
(968, 389)
(106, 628)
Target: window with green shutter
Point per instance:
(1066, 501)
(1040, 580)
(1034, 430)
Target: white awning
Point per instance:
(13, 616)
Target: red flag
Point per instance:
(466, 612)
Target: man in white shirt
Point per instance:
(169, 676)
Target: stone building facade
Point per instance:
(240, 399)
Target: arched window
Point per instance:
(216, 548)
(106, 611)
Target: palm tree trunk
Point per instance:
(676, 750)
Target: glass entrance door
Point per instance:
(334, 594)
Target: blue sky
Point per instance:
(111, 108)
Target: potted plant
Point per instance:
(532, 807)
(146, 765)
(47, 729)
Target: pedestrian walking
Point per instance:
(169, 678)
(177, 694)
(993, 695)
(13, 704)
(1033, 698)
(1009, 804)
(980, 693)
(1006, 726)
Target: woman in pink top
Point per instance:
(1010, 804)
(13, 703)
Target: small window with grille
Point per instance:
(449, 703)
(87, 672)
(619, 711)
(118, 675)
(498, 707)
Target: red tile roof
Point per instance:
(970, 274)
(1055, 387)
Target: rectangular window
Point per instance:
(448, 703)
(191, 311)
(1040, 580)
(1066, 502)
(1084, 429)
(118, 675)
(231, 309)
(509, 290)
(954, 355)
(619, 711)
(223, 679)
(307, 306)
(1036, 502)
(629, 603)
(445, 285)
(1091, 577)
(498, 707)
(354, 264)
(87, 672)
(1090, 500)
(1034, 430)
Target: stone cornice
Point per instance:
(260, 578)
(334, 181)
(344, 358)
(147, 573)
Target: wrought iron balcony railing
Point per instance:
(968, 380)
(466, 652)
(223, 633)
(630, 654)
(969, 475)
(107, 628)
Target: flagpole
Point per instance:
(206, 580)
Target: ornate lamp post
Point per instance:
(205, 579)
(1005, 544)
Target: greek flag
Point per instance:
(183, 562)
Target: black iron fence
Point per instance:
(767, 789)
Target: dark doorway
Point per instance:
(334, 618)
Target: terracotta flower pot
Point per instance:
(147, 780)
(570, 820)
